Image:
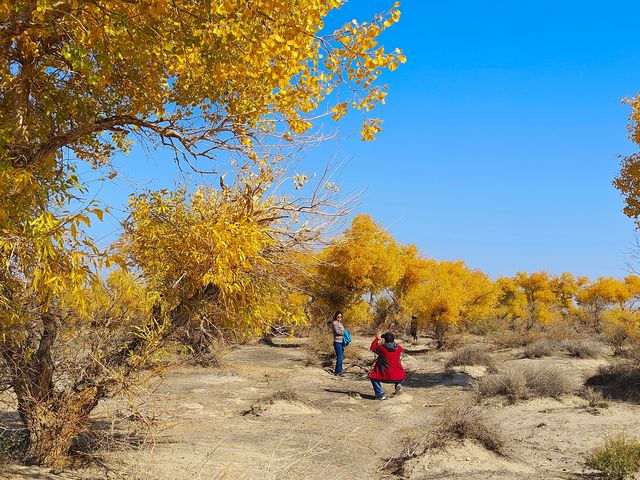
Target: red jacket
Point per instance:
(388, 366)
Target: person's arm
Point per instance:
(338, 328)
(375, 344)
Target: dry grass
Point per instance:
(464, 421)
(319, 347)
(583, 348)
(471, 355)
(457, 422)
(542, 347)
(516, 338)
(525, 382)
(595, 399)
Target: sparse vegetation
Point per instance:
(465, 421)
(543, 347)
(471, 355)
(525, 382)
(583, 348)
(617, 459)
(595, 399)
(288, 395)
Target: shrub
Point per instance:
(541, 348)
(617, 459)
(595, 399)
(583, 348)
(620, 380)
(511, 384)
(525, 382)
(465, 421)
(471, 355)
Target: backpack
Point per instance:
(346, 339)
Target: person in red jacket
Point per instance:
(388, 368)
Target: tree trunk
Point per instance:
(55, 424)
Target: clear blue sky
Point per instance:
(501, 134)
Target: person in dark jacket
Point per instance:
(388, 368)
(413, 329)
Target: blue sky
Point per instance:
(501, 134)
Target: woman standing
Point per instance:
(338, 341)
(388, 368)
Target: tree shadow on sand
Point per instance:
(618, 381)
(270, 342)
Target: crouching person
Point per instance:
(388, 368)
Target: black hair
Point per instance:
(335, 316)
(388, 337)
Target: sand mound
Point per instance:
(284, 407)
(466, 459)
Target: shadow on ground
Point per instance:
(435, 379)
(269, 341)
(351, 393)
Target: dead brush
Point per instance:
(595, 399)
(471, 355)
(525, 382)
(583, 348)
(319, 347)
(544, 347)
(516, 338)
(465, 421)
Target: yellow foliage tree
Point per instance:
(597, 296)
(359, 265)
(442, 294)
(80, 80)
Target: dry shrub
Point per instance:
(465, 421)
(618, 458)
(471, 355)
(319, 346)
(209, 353)
(620, 381)
(595, 399)
(457, 422)
(542, 347)
(516, 338)
(583, 348)
(525, 382)
(511, 384)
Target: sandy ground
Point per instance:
(269, 414)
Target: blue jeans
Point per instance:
(339, 348)
(377, 387)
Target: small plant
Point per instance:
(471, 355)
(11, 444)
(595, 399)
(617, 459)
